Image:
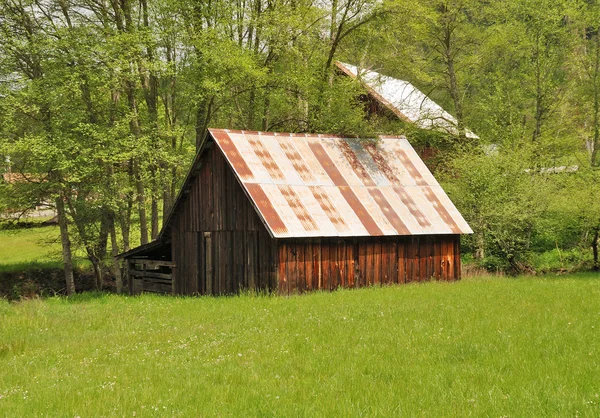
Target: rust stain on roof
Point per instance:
(233, 155)
(382, 165)
(327, 206)
(311, 185)
(327, 163)
(363, 215)
(412, 170)
(441, 210)
(296, 159)
(355, 163)
(265, 157)
(266, 209)
(412, 206)
(388, 211)
(303, 216)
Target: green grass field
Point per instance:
(481, 347)
(29, 247)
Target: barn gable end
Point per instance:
(218, 242)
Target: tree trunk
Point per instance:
(539, 94)
(154, 215)
(267, 112)
(480, 246)
(596, 75)
(203, 115)
(125, 224)
(596, 266)
(66, 245)
(141, 200)
(448, 48)
(115, 252)
(97, 265)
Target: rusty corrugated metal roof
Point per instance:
(309, 185)
(405, 100)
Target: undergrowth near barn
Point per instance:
(484, 347)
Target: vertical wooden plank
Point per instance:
(308, 265)
(250, 259)
(445, 260)
(229, 264)
(201, 267)
(410, 259)
(377, 249)
(186, 264)
(370, 267)
(292, 268)
(208, 254)
(240, 282)
(193, 280)
(334, 266)
(273, 266)
(282, 285)
(430, 260)
(437, 258)
(317, 266)
(450, 255)
(394, 260)
(350, 264)
(325, 259)
(385, 261)
(457, 260)
(301, 266)
(220, 257)
(423, 256)
(337, 266)
(362, 262)
(401, 257)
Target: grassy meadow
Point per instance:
(24, 248)
(479, 347)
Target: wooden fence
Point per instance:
(154, 276)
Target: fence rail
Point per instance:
(155, 276)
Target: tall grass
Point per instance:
(482, 347)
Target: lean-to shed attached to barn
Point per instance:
(297, 212)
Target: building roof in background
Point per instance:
(311, 185)
(405, 100)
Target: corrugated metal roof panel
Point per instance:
(327, 186)
(405, 100)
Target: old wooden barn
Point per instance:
(294, 212)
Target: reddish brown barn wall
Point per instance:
(357, 262)
(218, 242)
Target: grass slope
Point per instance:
(483, 347)
(30, 247)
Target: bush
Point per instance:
(15, 285)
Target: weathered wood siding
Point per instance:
(218, 242)
(327, 264)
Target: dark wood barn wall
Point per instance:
(357, 262)
(218, 242)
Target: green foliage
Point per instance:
(502, 202)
